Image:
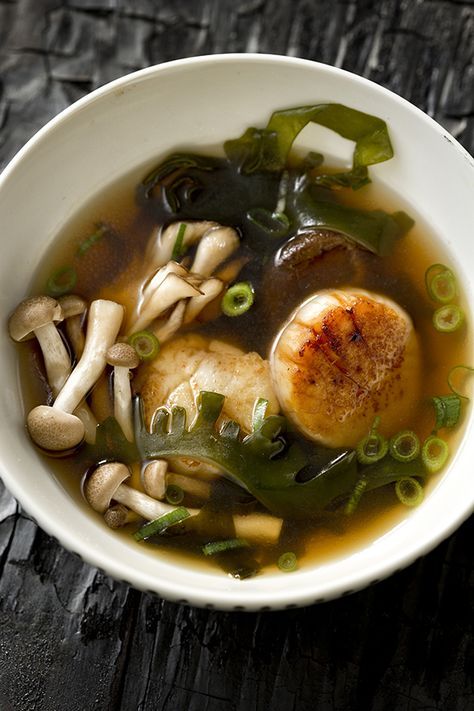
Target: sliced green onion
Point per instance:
(174, 494)
(356, 496)
(159, 525)
(447, 410)
(222, 546)
(373, 447)
(178, 245)
(409, 491)
(275, 224)
(440, 283)
(434, 453)
(238, 299)
(62, 281)
(405, 446)
(258, 414)
(448, 318)
(85, 246)
(146, 344)
(466, 369)
(287, 562)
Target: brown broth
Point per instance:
(113, 263)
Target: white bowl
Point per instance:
(193, 103)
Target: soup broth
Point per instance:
(107, 246)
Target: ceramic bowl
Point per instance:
(200, 102)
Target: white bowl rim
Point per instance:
(235, 596)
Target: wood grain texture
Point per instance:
(72, 638)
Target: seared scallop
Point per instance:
(344, 357)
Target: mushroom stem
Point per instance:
(105, 318)
(56, 358)
(166, 329)
(55, 428)
(160, 250)
(123, 400)
(154, 478)
(118, 515)
(210, 289)
(214, 248)
(170, 290)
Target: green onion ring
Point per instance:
(145, 343)
(160, 524)
(287, 562)
(223, 546)
(356, 496)
(405, 446)
(440, 283)
(275, 224)
(373, 447)
(409, 491)
(238, 299)
(451, 375)
(448, 318)
(174, 494)
(447, 410)
(62, 281)
(434, 453)
(178, 245)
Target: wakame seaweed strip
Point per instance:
(267, 149)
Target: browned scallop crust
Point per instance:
(355, 362)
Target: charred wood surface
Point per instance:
(73, 639)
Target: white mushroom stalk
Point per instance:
(56, 428)
(210, 289)
(37, 316)
(42, 312)
(156, 301)
(74, 308)
(123, 358)
(154, 478)
(106, 485)
(160, 250)
(215, 247)
(165, 329)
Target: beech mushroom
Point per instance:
(74, 308)
(54, 427)
(118, 516)
(154, 478)
(161, 249)
(123, 358)
(37, 317)
(105, 485)
(214, 248)
(209, 290)
(171, 289)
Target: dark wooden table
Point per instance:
(72, 639)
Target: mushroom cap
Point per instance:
(31, 314)
(53, 429)
(72, 305)
(117, 516)
(123, 354)
(102, 484)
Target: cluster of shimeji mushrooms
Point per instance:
(171, 296)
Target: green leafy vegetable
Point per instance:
(110, 445)
(267, 149)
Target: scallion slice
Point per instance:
(238, 299)
(287, 562)
(222, 546)
(146, 344)
(159, 525)
(454, 373)
(409, 491)
(62, 281)
(448, 318)
(447, 410)
(405, 446)
(275, 224)
(174, 494)
(373, 447)
(434, 453)
(356, 496)
(90, 241)
(178, 245)
(440, 283)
